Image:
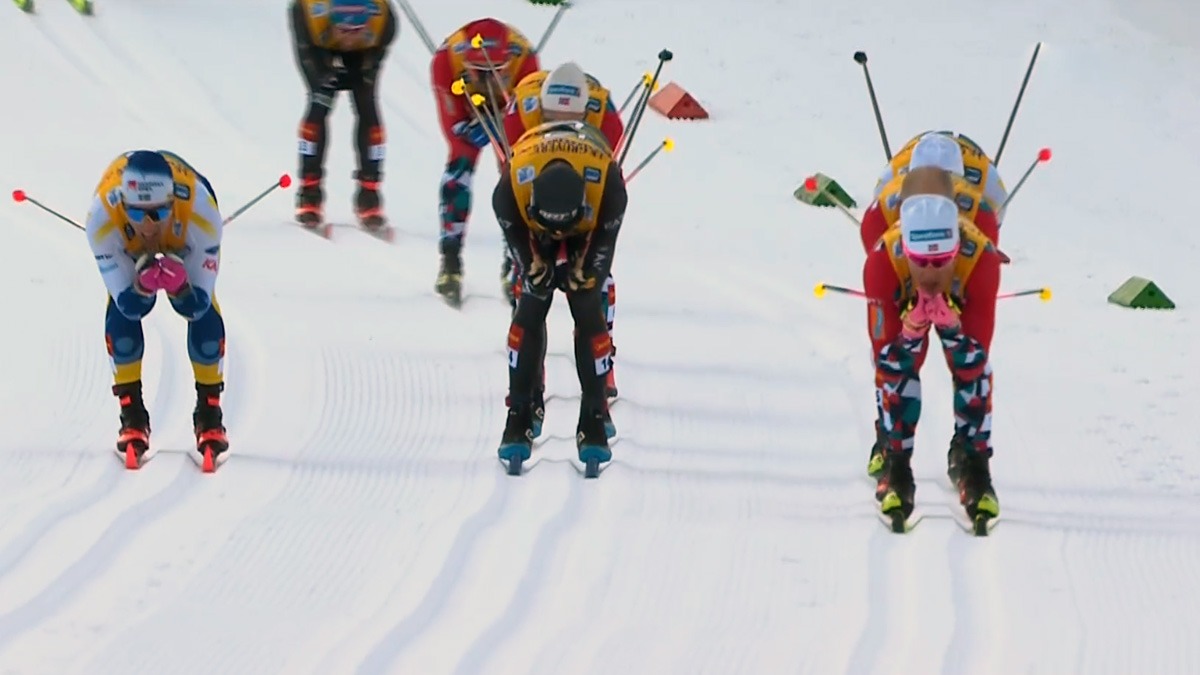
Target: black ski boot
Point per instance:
(450, 273)
(591, 440)
(368, 204)
(516, 444)
(956, 458)
(976, 493)
(133, 440)
(875, 462)
(310, 200)
(211, 441)
(896, 490)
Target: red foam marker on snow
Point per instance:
(810, 183)
(285, 180)
(18, 195)
(1044, 155)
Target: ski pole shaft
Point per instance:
(667, 145)
(1017, 105)
(283, 182)
(643, 94)
(503, 152)
(20, 196)
(861, 59)
(1042, 156)
(639, 111)
(640, 86)
(416, 24)
(550, 29)
(1043, 293)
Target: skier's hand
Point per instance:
(539, 278)
(915, 321)
(939, 312)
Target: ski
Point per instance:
(896, 522)
(379, 228)
(980, 526)
(323, 230)
(84, 7)
(25, 6)
(208, 460)
(135, 455)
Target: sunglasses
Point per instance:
(936, 260)
(157, 214)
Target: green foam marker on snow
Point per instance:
(1139, 293)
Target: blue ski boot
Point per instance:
(516, 445)
(592, 442)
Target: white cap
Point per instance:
(938, 150)
(565, 90)
(929, 225)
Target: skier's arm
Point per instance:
(116, 267)
(512, 222)
(598, 259)
(202, 260)
(374, 56)
(979, 307)
(874, 224)
(610, 124)
(452, 108)
(881, 287)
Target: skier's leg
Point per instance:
(370, 141)
(313, 145)
(206, 349)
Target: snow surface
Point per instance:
(363, 524)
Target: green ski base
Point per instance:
(1139, 293)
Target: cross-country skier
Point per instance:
(503, 58)
(340, 46)
(562, 189)
(979, 191)
(154, 225)
(936, 270)
(566, 93)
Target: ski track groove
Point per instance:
(545, 551)
(120, 531)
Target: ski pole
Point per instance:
(550, 29)
(642, 98)
(477, 43)
(1017, 104)
(861, 59)
(627, 139)
(667, 145)
(644, 82)
(284, 182)
(416, 24)
(20, 196)
(1043, 293)
(459, 88)
(1042, 156)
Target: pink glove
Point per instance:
(938, 312)
(164, 274)
(916, 322)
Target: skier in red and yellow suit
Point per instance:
(492, 70)
(979, 192)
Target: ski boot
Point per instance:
(876, 461)
(368, 207)
(591, 440)
(610, 380)
(310, 201)
(976, 493)
(449, 281)
(211, 441)
(133, 441)
(538, 413)
(516, 445)
(896, 490)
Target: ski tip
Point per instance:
(210, 463)
(592, 469)
(132, 462)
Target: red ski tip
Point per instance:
(18, 195)
(1044, 155)
(131, 458)
(810, 183)
(210, 464)
(285, 181)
